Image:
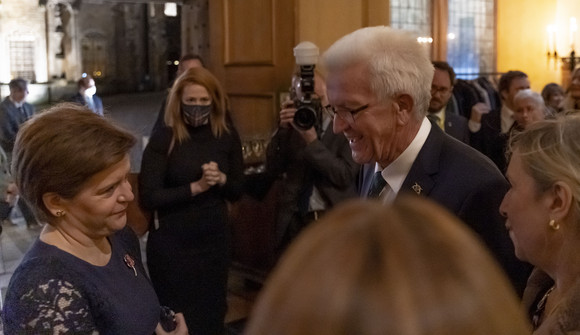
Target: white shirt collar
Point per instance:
(507, 119)
(17, 104)
(396, 172)
(439, 114)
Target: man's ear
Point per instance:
(405, 105)
(504, 95)
(561, 200)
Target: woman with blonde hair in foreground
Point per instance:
(408, 268)
(542, 209)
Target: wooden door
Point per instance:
(251, 44)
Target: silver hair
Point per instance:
(397, 63)
(534, 96)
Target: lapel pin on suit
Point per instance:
(417, 188)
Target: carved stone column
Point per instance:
(195, 28)
(62, 41)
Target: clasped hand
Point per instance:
(211, 176)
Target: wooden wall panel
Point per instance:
(254, 114)
(251, 45)
(249, 32)
(251, 54)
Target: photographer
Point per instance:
(315, 165)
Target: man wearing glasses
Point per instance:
(440, 110)
(314, 165)
(379, 86)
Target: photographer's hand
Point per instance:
(287, 120)
(287, 114)
(181, 327)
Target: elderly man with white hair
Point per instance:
(529, 108)
(379, 86)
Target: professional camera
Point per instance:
(308, 108)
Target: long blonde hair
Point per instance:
(173, 117)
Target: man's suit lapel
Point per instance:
(326, 138)
(423, 173)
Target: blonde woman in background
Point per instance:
(407, 269)
(190, 169)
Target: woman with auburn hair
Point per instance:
(553, 95)
(190, 169)
(542, 209)
(84, 273)
(410, 268)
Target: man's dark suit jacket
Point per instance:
(456, 126)
(326, 163)
(78, 98)
(10, 121)
(490, 141)
(468, 184)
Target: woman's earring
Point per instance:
(59, 213)
(554, 225)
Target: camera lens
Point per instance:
(305, 117)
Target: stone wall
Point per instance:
(124, 45)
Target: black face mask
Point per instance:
(195, 115)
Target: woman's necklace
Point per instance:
(541, 309)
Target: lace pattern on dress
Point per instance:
(57, 306)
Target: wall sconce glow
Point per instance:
(424, 40)
(451, 36)
(176, 62)
(170, 9)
